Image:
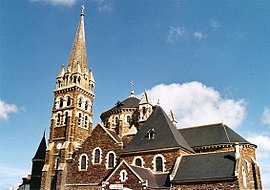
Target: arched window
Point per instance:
(79, 119)
(128, 119)
(86, 105)
(159, 164)
(68, 101)
(61, 103)
(66, 117)
(85, 121)
(83, 162)
(144, 110)
(138, 162)
(123, 176)
(151, 134)
(116, 120)
(58, 119)
(96, 156)
(59, 83)
(80, 103)
(111, 160)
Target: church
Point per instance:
(135, 146)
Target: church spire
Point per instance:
(78, 56)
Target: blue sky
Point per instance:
(206, 60)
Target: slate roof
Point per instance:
(166, 134)
(213, 134)
(154, 180)
(130, 102)
(206, 167)
(114, 134)
(41, 151)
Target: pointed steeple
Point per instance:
(78, 57)
(62, 72)
(40, 153)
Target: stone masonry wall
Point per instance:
(95, 173)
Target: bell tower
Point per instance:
(71, 121)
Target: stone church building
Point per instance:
(135, 146)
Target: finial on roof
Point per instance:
(82, 13)
(172, 117)
(132, 93)
(158, 102)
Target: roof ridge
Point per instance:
(108, 132)
(210, 124)
(226, 133)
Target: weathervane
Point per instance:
(83, 7)
(132, 89)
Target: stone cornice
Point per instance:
(74, 88)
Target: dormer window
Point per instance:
(151, 134)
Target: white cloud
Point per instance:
(199, 35)
(263, 142)
(105, 5)
(57, 2)
(194, 103)
(214, 24)
(266, 116)
(6, 109)
(176, 34)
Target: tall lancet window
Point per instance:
(85, 121)
(58, 119)
(86, 105)
(159, 164)
(80, 103)
(68, 101)
(61, 103)
(97, 156)
(79, 119)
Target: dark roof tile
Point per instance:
(41, 151)
(213, 134)
(154, 180)
(166, 135)
(206, 167)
